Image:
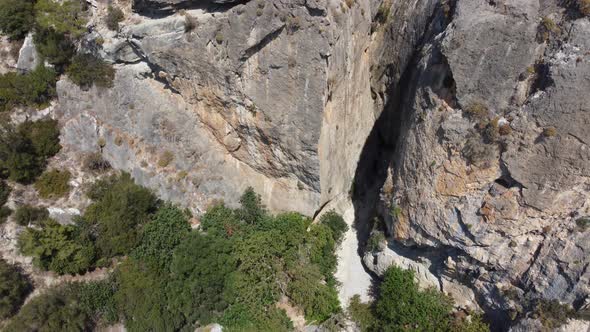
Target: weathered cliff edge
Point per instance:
(364, 109)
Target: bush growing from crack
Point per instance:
(114, 16)
(87, 70)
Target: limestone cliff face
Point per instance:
(494, 210)
(279, 95)
(462, 124)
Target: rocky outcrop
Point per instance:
(28, 58)
(491, 166)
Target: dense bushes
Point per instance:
(114, 17)
(16, 18)
(53, 184)
(34, 89)
(110, 227)
(59, 248)
(55, 48)
(233, 272)
(24, 150)
(5, 211)
(65, 17)
(86, 70)
(402, 306)
(59, 309)
(14, 288)
(120, 208)
(29, 215)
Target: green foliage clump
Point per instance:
(582, 223)
(142, 299)
(14, 288)
(114, 17)
(121, 207)
(552, 313)
(201, 266)
(168, 227)
(402, 304)
(24, 150)
(95, 162)
(97, 299)
(376, 241)
(362, 314)
(53, 184)
(233, 273)
(56, 48)
(58, 248)
(56, 310)
(336, 223)
(252, 210)
(86, 70)
(318, 300)
(5, 191)
(5, 212)
(16, 18)
(33, 89)
(65, 17)
(26, 215)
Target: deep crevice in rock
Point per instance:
(261, 44)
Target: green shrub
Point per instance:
(55, 48)
(402, 304)
(29, 215)
(57, 248)
(44, 136)
(95, 162)
(168, 227)
(4, 192)
(142, 300)
(336, 223)
(362, 314)
(86, 70)
(376, 242)
(165, 158)
(552, 313)
(14, 288)
(383, 12)
(97, 299)
(477, 111)
(5, 212)
(56, 310)
(114, 17)
(53, 184)
(34, 89)
(16, 18)
(583, 223)
(321, 249)
(24, 150)
(201, 266)
(252, 209)
(65, 17)
(120, 208)
(549, 132)
(318, 300)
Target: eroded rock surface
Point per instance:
(499, 192)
